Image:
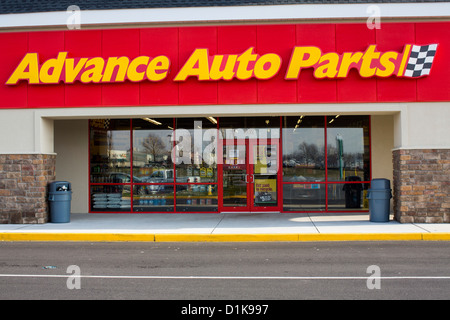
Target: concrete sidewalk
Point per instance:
(223, 227)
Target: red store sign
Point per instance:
(415, 61)
(318, 63)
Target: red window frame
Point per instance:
(219, 181)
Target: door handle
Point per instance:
(252, 178)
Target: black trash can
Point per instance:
(59, 198)
(379, 196)
(353, 192)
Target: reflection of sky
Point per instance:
(292, 140)
(139, 137)
(353, 138)
(119, 140)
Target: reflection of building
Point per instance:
(66, 115)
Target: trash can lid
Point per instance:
(380, 184)
(59, 186)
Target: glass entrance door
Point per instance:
(250, 175)
(235, 188)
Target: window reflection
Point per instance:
(348, 153)
(196, 150)
(110, 150)
(303, 149)
(347, 196)
(152, 148)
(304, 196)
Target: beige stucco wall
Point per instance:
(20, 131)
(72, 149)
(422, 126)
(382, 129)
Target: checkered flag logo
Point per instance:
(420, 60)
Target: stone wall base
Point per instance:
(23, 187)
(422, 185)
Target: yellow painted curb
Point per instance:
(440, 236)
(360, 237)
(93, 237)
(224, 237)
(132, 237)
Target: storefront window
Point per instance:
(319, 152)
(348, 150)
(303, 149)
(196, 150)
(153, 198)
(110, 198)
(197, 198)
(152, 147)
(168, 165)
(110, 151)
(304, 196)
(347, 196)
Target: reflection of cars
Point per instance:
(118, 177)
(163, 176)
(159, 176)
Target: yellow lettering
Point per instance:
(132, 73)
(228, 72)
(30, 62)
(71, 71)
(405, 56)
(93, 74)
(274, 62)
(113, 62)
(197, 65)
(56, 65)
(348, 59)
(244, 59)
(302, 57)
(366, 70)
(158, 68)
(328, 65)
(389, 66)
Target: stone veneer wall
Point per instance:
(422, 185)
(23, 187)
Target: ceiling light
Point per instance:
(152, 121)
(214, 121)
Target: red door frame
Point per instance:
(220, 164)
(250, 206)
(278, 207)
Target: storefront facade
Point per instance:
(220, 117)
